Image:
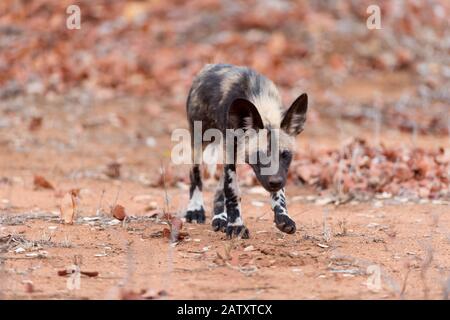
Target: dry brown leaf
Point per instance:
(41, 183)
(69, 271)
(166, 233)
(130, 295)
(89, 274)
(118, 212)
(35, 124)
(174, 232)
(29, 287)
(176, 224)
(113, 170)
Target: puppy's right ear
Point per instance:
(244, 115)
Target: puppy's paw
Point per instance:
(219, 222)
(285, 224)
(197, 215)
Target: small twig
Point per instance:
(130, 269)
(166, 196)
(402, 292)
(99, 207)
(117, 196)
(326, 229)
(2, 274)
(343, 226)
(173, 234)
(446, 289)
(424, 268)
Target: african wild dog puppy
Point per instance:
(224, 96)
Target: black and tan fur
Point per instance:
(224, 96)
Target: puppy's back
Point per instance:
(218, 85)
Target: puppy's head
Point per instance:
(268, 149)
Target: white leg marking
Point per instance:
(222, 216)
(196, 202)
(279, 195)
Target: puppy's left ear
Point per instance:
(295, 117)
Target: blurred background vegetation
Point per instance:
(378, 85)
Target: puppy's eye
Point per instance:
(285, 154)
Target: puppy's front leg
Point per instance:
(235, 225)
(282, 220)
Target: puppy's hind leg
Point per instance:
(235, 224)
(195, 210)
(219, 220)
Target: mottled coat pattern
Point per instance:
(224, 97)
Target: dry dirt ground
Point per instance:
(338, 252)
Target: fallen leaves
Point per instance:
(113, 170)
(93, 57)
(118, 212)
(73, 273)
(361, 170)
(29, 287)
(70, 270)
(174, 232)
(19, 244)
(42, 183)
(167, 177)
(35, 124)
(410, 119)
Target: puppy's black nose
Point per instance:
(275, 182)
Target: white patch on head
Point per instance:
(279, 195)
(196, 202)
(268, 103)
